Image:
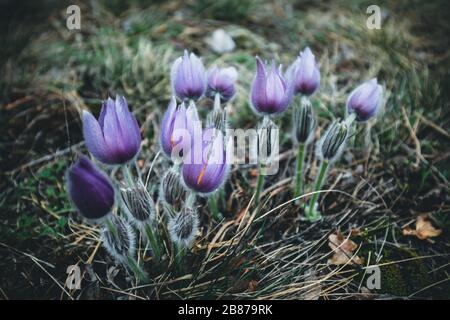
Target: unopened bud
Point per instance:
(333, 142)
(119, 239)
(171, 191)
(183, 228)
(217, 119)
(267, 138)
(139, 204)
(303, 122)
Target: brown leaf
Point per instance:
(252, 286)
(343, 250)
(424, 229)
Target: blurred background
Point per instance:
(50, 73)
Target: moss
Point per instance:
(400, 277)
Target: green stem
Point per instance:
(312, 214)
(259, 184)
(153, 240)
(217, 101)
(299, 172)
(111, 227)
(128, 176)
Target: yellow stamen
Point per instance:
(202, 173)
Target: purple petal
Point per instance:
(93, 136)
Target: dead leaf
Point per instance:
(343, 250)
(424, 229)
(252, 286)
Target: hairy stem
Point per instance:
(299, 171)
(128, 176)
(312, 214)
(259, 184)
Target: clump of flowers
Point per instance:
(199, 155)
(272, 94)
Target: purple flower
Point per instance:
(115, 138)
(206, 167)
(221, 81)
(365, 100)
(270, 92)
(304, 73)
(177, 127)
(188, 77)
(90, 190)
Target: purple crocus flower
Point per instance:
(221, 81)
(115, 138)
(304, 73)
(188, 77)
(270, 92)
(177, 123)
(208, 163)
(90, 190)
(365, 100)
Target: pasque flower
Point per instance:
(270, 94)
(140, 207)
(303, 123)
(171, 191)
(119, 239)
(206, 167)
(333, 142)
(183, 228)
(115, 138)
(90, 190)
(188, 77)
(222, 81)
(365, 100)
(177, 127)
(304, 74)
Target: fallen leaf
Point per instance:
(424, 229)
(252, 286)
(343, 250)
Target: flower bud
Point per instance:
(188, 77)
(171, 191)
(206, 167)
(333, 142)
(139, 204)
(365, 100)
(183, 228)
(267, 138)
(304, 73)
(177, 128)
(303, 122)
(217, 119)
(115, 138)
(119, 239)
(270, 93)
(221, 81)
(90, 190)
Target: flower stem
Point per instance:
(217, 101)
(190, 201)
(299, 172)
(259, 184)
(313, 214)
(128, 176)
